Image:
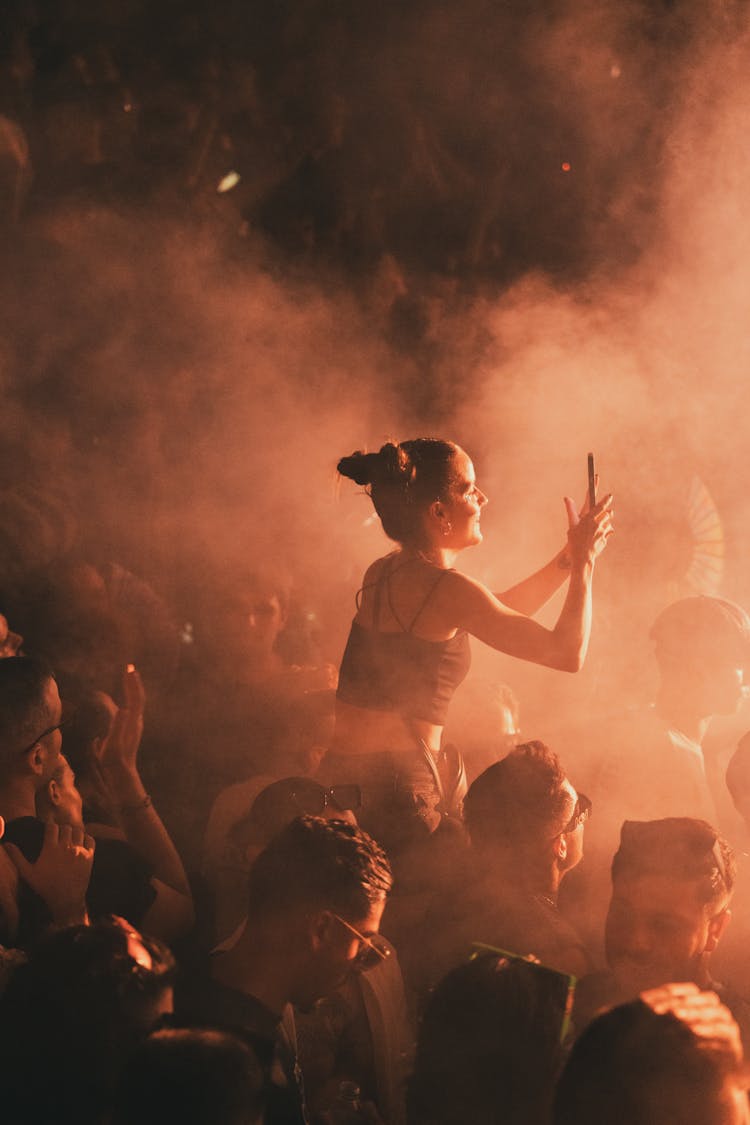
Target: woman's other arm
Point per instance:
(472, 607)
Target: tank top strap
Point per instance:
(377, 598)
(423, 606)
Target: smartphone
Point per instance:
(592, 482)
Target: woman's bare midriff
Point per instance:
(362, 731)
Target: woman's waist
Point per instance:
(361, 730)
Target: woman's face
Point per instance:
(463, 505)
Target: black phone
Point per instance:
(592, 482)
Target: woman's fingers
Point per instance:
(570, 507)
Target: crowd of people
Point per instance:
(240, 886)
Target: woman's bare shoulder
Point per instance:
(459, 587)
(377, 569)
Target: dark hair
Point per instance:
(634, 1067)
(80, 1004)
(403, 480)
(190, 1076)
(679, 847)
(319, 864)
(489, 1045)
(705, 627)
(23, 680)
(519, 799)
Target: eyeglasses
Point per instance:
(581, 813)
(39, 737)
(372, 950)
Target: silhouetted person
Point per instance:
(489, 1045)
(672, 1056)
(185, 1076)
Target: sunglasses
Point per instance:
(372, 950)
(581, 813)
(39, 737)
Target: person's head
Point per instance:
(672, 883)
(30, 717)
(702, 646)
(635, 1066)
(190, 1076)
(59, 798)
(245, 615)
(424, 492)
(738, 778)
(86, 734)
(316, 895)
(525, 809)
(489, 1044)
(72, 1015)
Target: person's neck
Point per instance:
(682, 714)
(17, 799)
(255, 969)
(432, 554)
(535, 878)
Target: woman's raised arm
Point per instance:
(493, 621)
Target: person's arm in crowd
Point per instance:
(172, 912)
(61, 874)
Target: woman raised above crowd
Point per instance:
(408, 649)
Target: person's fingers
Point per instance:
(135, 695)
(19, 861)
(89, 843)
(76, 836)
(570, 508)
(66, 836)
(51, 833)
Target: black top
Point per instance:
(272, 1036)
(120, 881)
(400, 672)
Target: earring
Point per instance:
(447, 528)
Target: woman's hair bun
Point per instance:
(390, 465)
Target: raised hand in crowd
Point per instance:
(61, 874)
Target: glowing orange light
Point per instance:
(565, 166)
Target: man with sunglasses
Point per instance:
(30, 738)
(316, 894)
(525, 822)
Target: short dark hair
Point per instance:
(197, 1076)
(402, 480)
(489, 1044)
(518, 799)
(23, 680)
(632, 1066)
(319, 864)
(681, 848)
(707, 627)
